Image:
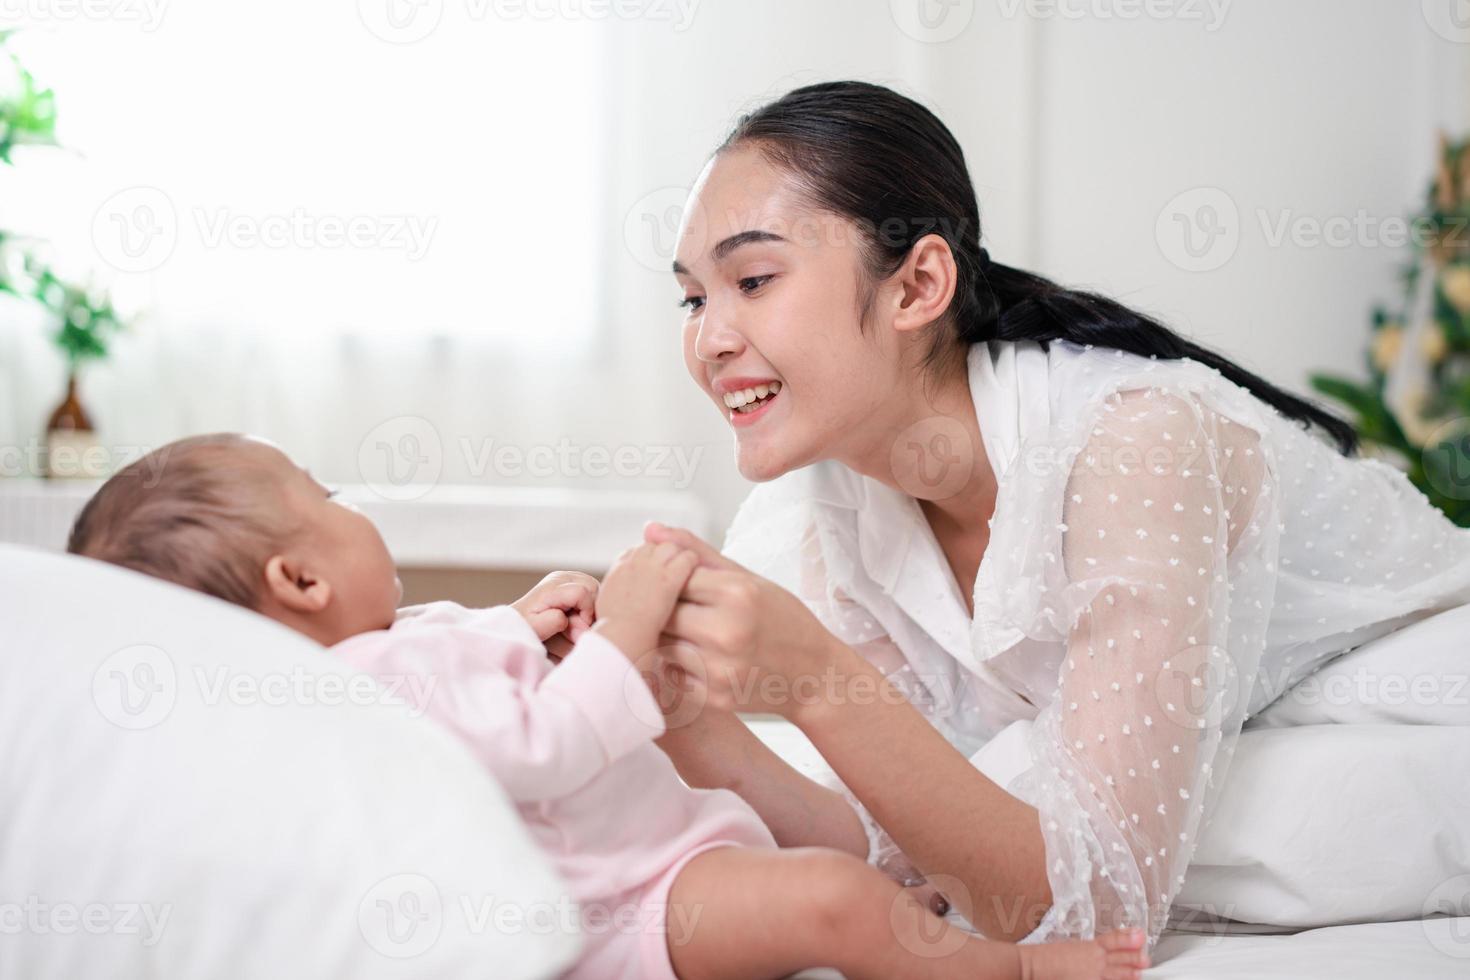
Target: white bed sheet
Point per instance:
(1428, 949)
(1431, 949)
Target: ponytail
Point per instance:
(884, 162)
(1026, 306)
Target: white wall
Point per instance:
(1081, 126)
(1314, 109)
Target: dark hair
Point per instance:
(192, 513)
(888, 164)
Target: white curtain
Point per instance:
(543, 146)
(333, 228)
(314, 230)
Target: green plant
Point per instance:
(84, 317)
(1415, 406)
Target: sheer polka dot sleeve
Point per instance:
(1162, 578)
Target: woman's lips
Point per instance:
(741, 419)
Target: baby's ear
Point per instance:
(291, 584)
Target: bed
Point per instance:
(1434, 949)
(1358, 863)
(319, 839)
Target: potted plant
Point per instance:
(83, 318)
(1414, 408)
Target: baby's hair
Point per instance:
(195, 512)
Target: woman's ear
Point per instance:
(291, 584)
(925, 284)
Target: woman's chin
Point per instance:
(759, 464)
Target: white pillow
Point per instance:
(1335, 824)
(1320, 825)
(1417, 675)
(190, 790)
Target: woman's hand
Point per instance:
(750, 644)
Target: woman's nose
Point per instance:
(717, 338)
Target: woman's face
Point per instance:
(772, 294)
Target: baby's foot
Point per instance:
(1112, 956)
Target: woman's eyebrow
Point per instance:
(723, 249)
(738, 240)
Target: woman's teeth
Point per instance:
(745, 400)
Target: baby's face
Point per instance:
(340, 543)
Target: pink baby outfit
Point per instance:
(572, 744)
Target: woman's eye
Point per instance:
(751, 283)
(692, 302)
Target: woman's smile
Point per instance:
(747, 400)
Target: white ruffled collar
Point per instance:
(1009, 387)
(1009, 382)
(897, 550)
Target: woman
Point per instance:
(987, 498)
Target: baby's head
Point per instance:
(234, 517)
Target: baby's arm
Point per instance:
(482, 674)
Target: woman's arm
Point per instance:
(718, 751)
(978, 845)
(958, 828)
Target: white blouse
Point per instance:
(1168, 555)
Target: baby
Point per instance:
(670, 881)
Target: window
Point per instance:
(287, 166)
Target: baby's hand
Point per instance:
(639, 594)
(562, 602)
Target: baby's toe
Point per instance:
(1122, 939)
(1136, 958)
